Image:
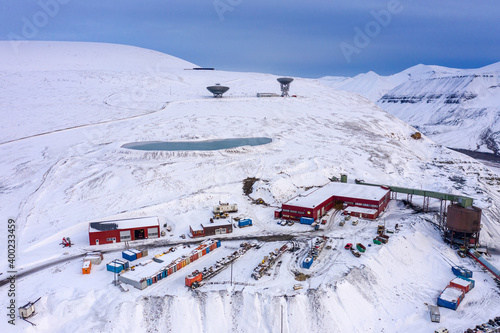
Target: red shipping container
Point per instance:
(204, 251)
(461, 284)
(179, 265)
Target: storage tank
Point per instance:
(462, 219)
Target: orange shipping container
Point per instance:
(87, 266)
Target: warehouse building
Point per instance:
(107, 232)
(218, 227)
(356, 200)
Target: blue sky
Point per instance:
(285, 37)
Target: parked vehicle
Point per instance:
(323, 222)
(384, 237)
(290, 223)
(283, 223)
(380, 229)
(341, 223)
(355, 222)
(377, 241)
(441, 330)
(361, 248)
(355, 253)
(348, 246)
(316, 227)
(347, 217)
(434, 312)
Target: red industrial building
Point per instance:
(356, 200)
(217, 227)
(106, 232)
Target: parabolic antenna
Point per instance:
(285, 85)
(217, 90)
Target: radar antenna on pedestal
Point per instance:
(217, 90)
(285, 85)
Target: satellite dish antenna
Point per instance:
(217, 90)
(285, 85)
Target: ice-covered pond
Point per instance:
(197, 145)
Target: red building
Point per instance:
(106, 232)
(357, 200)
(217, 227)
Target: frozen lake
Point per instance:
(197, 145)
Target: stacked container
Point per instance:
(129, 255)
(463, 284)
(450, 298)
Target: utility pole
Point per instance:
(282, 319)
(231, 273)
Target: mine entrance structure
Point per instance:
(456, 200)
(197, 278)
(285, 85)
(217, 90)
(268, 262)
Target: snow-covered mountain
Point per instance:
(67, 109)
(456, 108)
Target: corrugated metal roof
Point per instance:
(138, 222)
(315, 197)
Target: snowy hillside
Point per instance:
(67, 109)
(456, 108)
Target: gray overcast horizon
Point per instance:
(296, 38)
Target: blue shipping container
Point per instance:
(129, 255)
(208, 249)
(114, 267)
(218, 243)
(306, 220)
(461, 272)
(244, 223)
(124, 263)
(307, 262)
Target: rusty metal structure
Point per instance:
(463, 225)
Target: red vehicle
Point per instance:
(323, 222)
(348, 246)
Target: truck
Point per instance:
(225, 208)
(306, 220)
(434, 312)
(244, 223)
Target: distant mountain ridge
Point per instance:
(458, 108)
